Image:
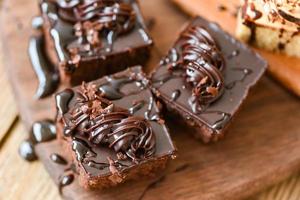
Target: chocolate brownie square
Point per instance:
(113, 129)
(89, 39)
(206, 77)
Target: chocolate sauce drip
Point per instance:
(26, 150)
(175, 95)
(41, 131)
(64, 181)
(221, 123)
(246, 72)
(278, 12)
(47, 75)
(106, 124)
(257, 13)
(58, 159)
(136, 107)
(82, 150)
(63, 99)
(149, 115)
(93, 17)
(289, 17)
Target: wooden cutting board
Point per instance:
(261, 148)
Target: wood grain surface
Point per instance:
(262, 146)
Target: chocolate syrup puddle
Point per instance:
(58, 159)
(47, 75)
(42, 131)
(246, 72)
(64, 181)
(148, 114)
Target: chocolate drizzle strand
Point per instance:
(64, 181)
(58, 159)
(46, 73)
(103, 123)
(93, 18)
(203, 63)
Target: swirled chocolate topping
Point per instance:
(203, 63)
(105, 124)
(90, 17)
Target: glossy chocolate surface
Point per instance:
(243, 69)
(66, 38)
(128, 92)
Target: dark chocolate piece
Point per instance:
(206, 77)
(112, 129)
(88, 39)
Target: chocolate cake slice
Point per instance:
(205, 78)
(113, 130)
(91, 38)
(271, 24)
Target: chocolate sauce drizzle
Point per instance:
(42, 131)
(105, 124)
(64, 181)
(276, 10)
(47, 75)
(58, 159)
(203, 64)
(93, 17)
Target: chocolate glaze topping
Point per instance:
(203, 64)
(243, 69)
(105, 124)
(91, 17)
